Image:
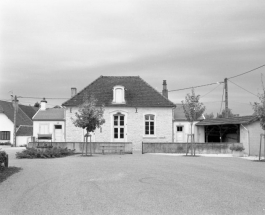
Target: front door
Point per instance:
(119, 128)
(58, 133)
(180, 134)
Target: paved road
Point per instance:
(134, 184)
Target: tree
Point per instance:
(37, 104)
(208, 116)
(222, 115)
(89, 116)
(193, 109)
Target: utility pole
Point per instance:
(226, 98)
(15, 105)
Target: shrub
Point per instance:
(47, 153)
(5, 144)
(2, 157)
(237, 148)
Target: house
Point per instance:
(243, 129)
(24, 123)
(134, 111)
(182, 127)
(49, 123)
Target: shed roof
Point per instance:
(138, 93)
(228, 121)
(51, 114)
(24, 131)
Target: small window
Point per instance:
(149, 124)
(58, 126)
(118, 95)
(5, 135)
(180, 128)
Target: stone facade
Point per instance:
(134, 125)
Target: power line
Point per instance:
(210, 91)
(243, 88)
(24, 97)
(197, 86)
(247, 72)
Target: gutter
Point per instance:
(248, 139)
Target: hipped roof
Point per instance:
(138, 93)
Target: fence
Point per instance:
(200, 148)
(78, 146)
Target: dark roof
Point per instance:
(138, 93)
(228, 121)
(8, 109)
(179, 114)
(51, 114)
(25, 131)
(29, 110)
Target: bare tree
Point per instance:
(193, 109)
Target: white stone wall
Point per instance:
(6, 125)
(23, 140)
(135, 126)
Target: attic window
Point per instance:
(118, 95)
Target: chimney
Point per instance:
(73, 92)
(43, 104)
(165, 91)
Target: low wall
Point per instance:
(78, 146)
(200, 148)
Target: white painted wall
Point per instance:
(6, 125)
(196, 130)
(51, 128)
(251, 141)
(23, 140)
(135, 126)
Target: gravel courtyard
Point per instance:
(134, 184)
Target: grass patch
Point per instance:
(6, 172)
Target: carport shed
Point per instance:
(244, 129)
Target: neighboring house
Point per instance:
(244, 129)
(49, 123)
(182, 127)
(134, 111)
(23, 119)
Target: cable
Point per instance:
(210, 91)
(247, 72)
(197, 86)
(243, 88)
(23, 97)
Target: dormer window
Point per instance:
(118, 95)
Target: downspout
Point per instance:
(248, 139)
(173, 123)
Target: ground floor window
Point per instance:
(5, 135)
(149, 124)
(179, 128)
(119, 126)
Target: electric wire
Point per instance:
(196, 86)
(246, 72)
(210, 91)
(243, 88)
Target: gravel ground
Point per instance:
(134, 184)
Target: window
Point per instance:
(44, 129)
(118, 126)
(118, 95)
(179, 128)
(58, 126)
(5, 135)
(149, 124)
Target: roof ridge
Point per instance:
(174, 105)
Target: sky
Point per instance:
(49, 46)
